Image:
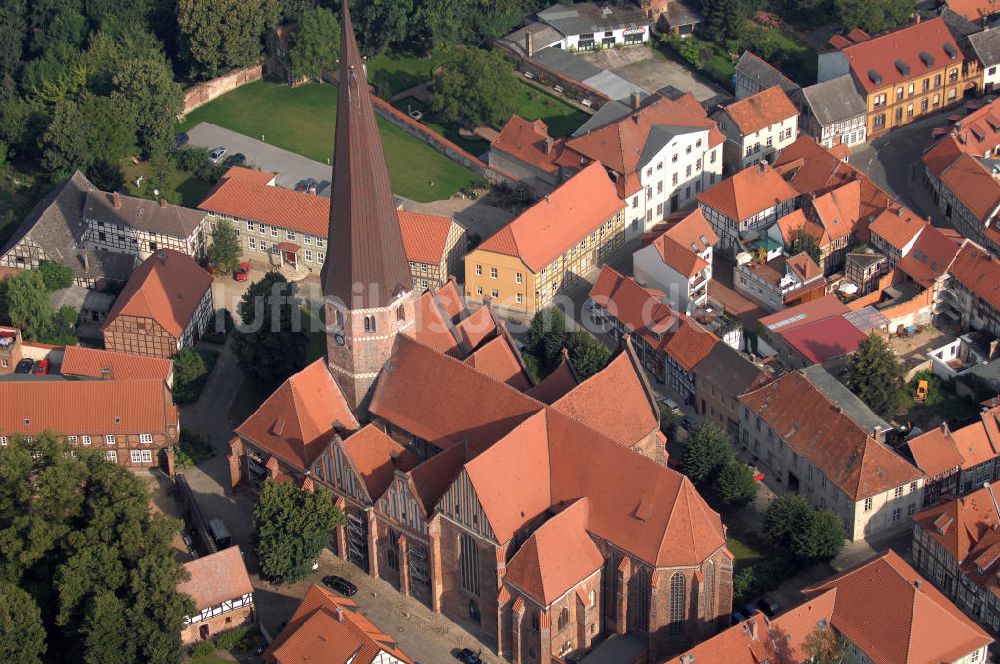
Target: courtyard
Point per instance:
(650, 68)
(303, 119)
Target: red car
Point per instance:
(242, 272)
(42, 366)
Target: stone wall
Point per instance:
(203, 93)
(551, 78)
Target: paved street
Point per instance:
(290, 167)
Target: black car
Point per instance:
(238, 159)
(340, 584)
(467, 656)
(24, 366)
(769, 606)
(180, 140)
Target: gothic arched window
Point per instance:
(369, 323)
(676, 606)
(563, 617)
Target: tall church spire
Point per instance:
(366, 265)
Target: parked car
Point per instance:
(738, 617)
(242, 272)
(670, 404)
(468, 656)
(217, 154)
(238, 159)
(41, 367)
(340, 584)
(180, 140)
(24, 366)
(750, 609)
(309, 184)
(769, 606)
(688, 422)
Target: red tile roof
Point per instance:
(617, 401)
(930, 257)
(979, 272)
(498, 359)
(748, 192)
(804, 266)
(974, 185)
(942, 155)
(296, 421)
(825, 339)
(528, 141)
(960, 524)
(326, 629)
(425, 236)
(167, 288)
(80, 361)
(904, 46)
(641, 309)
(86, 407)
(924, 626)
(838, 210)
(978, 133)
(619, 144)
(557, 384)
(690, 343)
(898, 228)
(680, 245)
(250, 175)
(761, 110)
(560, 220)
(466, 405)
(376, 457)
(817, 429)
(216, 578)
(974, 10)
(747, 642)
(805, 313)
(935, 452)
(556, 557)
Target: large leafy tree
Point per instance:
(13, 32)
(873, 15)
(381, 23)
(735, 484)
(547, 337)
(708, 452)
(475, 87)
(785, 515)
(802, 241)
(587, 354)
(22, 636)
(315, 43)
(824, 645)
(218, 35)
(292, 527)
(91, 134)
(821, 538)
(27, 304)
(271, 344)
(55, 275)
(874, 375)
(77, 534)
(226, 251)
(149, 97)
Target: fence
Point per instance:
(203, 93)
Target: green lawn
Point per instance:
(183, 188)
(399, 71)
(743, 551)
(210, 659)
(561, 118)
(302, 120)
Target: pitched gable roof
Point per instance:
(979, 272)
(80, 361)
(556, 557)
(898, 228)
(425, 236)
(690, 343)
(935, 452)
(528, 141)
(839, 209)
(761, 110)
(924, 625)
(557, 384)
(682, 243)
(216, 578)
(748, 192)
(167, 288)
(499, 359)
(828, 438)
(296, 421)
(874, 62)
(761, 71)
(960, 524)
(974, 185)
(930, 258)
(376, 457)
(560, 220)
(641, 309)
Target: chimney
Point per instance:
(86, 262)
(760, 168)
(916, 583)
(548, 199)
(635, 100)
(877, 433)
(548, 146)
(529, 43)
(163, 202)
(116, 200)
(338, 613)
(753, 630)
(107, 373)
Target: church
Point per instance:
(540, 515)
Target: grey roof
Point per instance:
(958, 25)
(867, 319)
(614, 86)
(835, 100)
(80, 298)
(838, 393)
(56, 225)
(542, 36)
(756, 68)
(986, 46)
(612, 111)
(587, 17)
(729, 370)
(659, 136)
(560, 61)
(615, 649)
(680, 13)
(143, 214)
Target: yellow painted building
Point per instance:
(551, 245)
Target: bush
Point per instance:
(192, 449)
(203, 649)
(231, 638)
(759, 577)
(217, 336)
(55, 275)
(735, 484)
(791, 524)
(191, 370)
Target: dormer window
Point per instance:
(369, 324)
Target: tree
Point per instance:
(735, 484)
(315, 44)
(147, 94)
(271, 346)
(874, 375)
(189, 366)
(475, 87)
(824, 645)
(82, 135)
(821, 537)
(55, 275)
(219, 35)
(708, 452)
(226, 250)
(28, 306)
(587, 354)
(784, 516)
(381, 23)
(547, 337)
(802, 241)
(22, 636)
(873, 15)
(292, 528)
(77, 534)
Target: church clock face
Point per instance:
(339, 338)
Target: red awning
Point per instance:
(288, 246)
